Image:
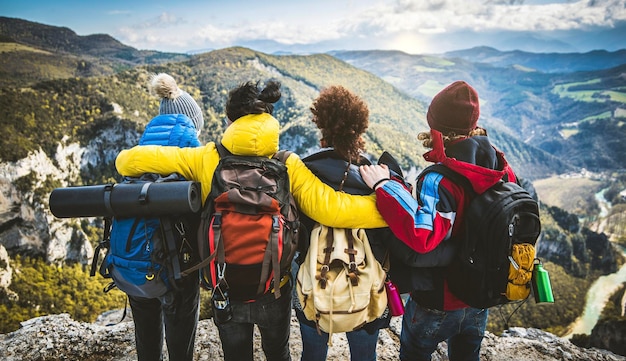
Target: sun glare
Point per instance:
(409, 43)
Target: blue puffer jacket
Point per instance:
(170, 129)
(130, 259)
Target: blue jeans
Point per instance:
(178, 311)
(273, 318)
(423, 329)
(315, 346)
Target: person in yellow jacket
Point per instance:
(253, 131)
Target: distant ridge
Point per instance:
(62, 39)
(545, 62)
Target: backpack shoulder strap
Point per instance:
(394, 169)
(170, 245)
(391, 162)
(282, 155)
(104, 244)
(221, 150)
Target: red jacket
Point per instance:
(438, 211)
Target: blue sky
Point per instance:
(414, 26)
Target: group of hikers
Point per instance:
(338, 187)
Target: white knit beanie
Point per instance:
(175, 100)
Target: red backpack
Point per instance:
(248, 233)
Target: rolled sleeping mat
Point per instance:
(147, 199)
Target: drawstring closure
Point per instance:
(331, 309)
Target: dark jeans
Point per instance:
(423, 329)
(315, 346)
(273, 318)
(178, 312)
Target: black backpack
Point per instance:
(496, 249)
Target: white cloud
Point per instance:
(513, 15)
(391, 19)
(282, 32)
(164, 20)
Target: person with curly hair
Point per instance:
(342, 117)
(253, 131)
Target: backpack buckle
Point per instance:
(217, 220)
(275, 224)
(220, 271)
(352, 266)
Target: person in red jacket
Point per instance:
(433, 315)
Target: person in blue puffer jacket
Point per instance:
(179, 123)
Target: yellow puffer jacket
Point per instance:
(255, 135)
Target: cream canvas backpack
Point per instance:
(340, 285)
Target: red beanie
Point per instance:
(454, 109)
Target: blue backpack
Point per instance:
(147, 256)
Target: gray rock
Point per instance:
(59, 337)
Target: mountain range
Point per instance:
(70, 103)
(550, 41)
(542, 100)
(540, 107)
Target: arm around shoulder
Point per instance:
(138, 160)
(327, 206)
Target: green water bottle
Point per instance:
(542, 290)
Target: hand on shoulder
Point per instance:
(374, 175)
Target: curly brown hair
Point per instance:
(342, 117)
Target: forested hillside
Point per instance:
(65, 41)
(32, 52)
(79, 107)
